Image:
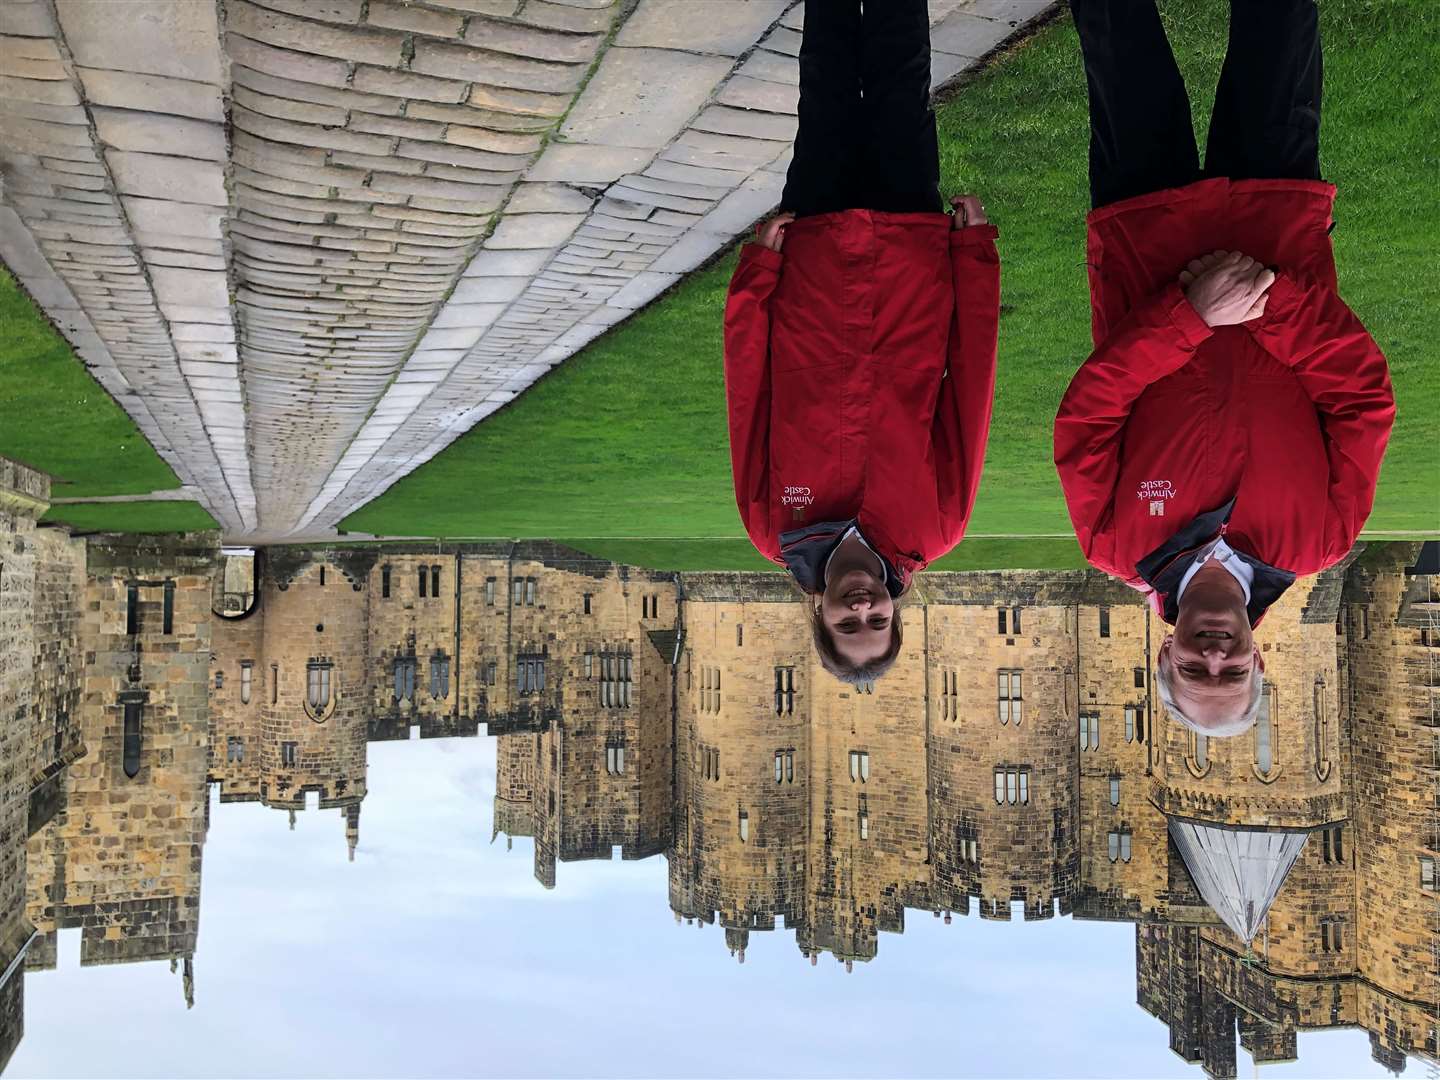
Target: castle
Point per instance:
(1015, 759)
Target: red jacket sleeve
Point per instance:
(1156, 339)
(1307, 327)
(962, 412)
(747, 390)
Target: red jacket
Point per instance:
(1288, 414)
(859, 373)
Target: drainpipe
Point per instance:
(455, 708)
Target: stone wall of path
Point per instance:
(307, 243)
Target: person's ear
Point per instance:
(1260, 660)
(1169, 641)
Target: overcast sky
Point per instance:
(438, 954)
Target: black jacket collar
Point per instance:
(1164, 568)
(805, 551)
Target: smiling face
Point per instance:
(1212, 653)
(858, 611)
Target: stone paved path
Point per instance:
(307, 243)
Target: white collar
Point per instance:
(1225, 555)
(854, 530)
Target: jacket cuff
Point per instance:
(760, 255)
(1186, 319)
(970, 235)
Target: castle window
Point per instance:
(288, 755)
(247, 671)
(586, 603)
(529, 592)
(517, 591)
(1104, 622)
(1007, 684)
(439, 676)
(168, 625)
(589, 665)
(1000, 621)
(615, 759)
(1118, 845)
(1139, 678)
(779, 766)
(616, 670)
(1265, 735)
(949, 695)
(1332, 937)
(1427, 872)
(133, 704)
(1024, 787)
(234, 749)
(744, 826)
(424, 581)
(132, 609)
(404, 689)
(966, 843)
(219, 680)
(1322, 728)
(999, 787)
(530, 674)
(859, 766)
(784, 691)
(435, 581)
(1015, 620)
(866, 687)
(1130, 712)
(491, 670)
(709, 690)
(317, 685)
(1333, 844)
(1202, 750)
(864, 821)
(489, 592)
(1090, 731)
(274, 684)
(1114, 791)
(322, 576)
(790, 766)
(1012, 785)
(385, 582)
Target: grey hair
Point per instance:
(1236, 726)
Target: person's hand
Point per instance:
(968, 211)
(1226, 287)
(772, 233)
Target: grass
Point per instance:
(628, 439)
(152, 516)
(55, 417)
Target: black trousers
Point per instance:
(867, 133)
(1266, 123)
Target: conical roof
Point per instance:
(1238, 870)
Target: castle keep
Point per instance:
(1014, 763)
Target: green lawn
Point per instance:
(152, 516)
(628, 438)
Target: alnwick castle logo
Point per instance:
(798, 498)
(1155, 492)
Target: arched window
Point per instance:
(317, 689)
(1322, 729)
(434, 581)
(247, 672)
(744, 826)
(385, 582)
(424, 580)
(1198, 758)
(1267, 768)
(1114, 791)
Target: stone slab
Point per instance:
(580, 164)
(724, 27)
(153, 93)
(642, 97)
(158, 37)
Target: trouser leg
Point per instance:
(824, 172)
(1266, 123)
(901, 154)
(1141, 136)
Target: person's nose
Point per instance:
(860, 603)
(1215, 657)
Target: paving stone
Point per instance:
(158, 37)
(410, 18)
(727, 27)
(507, 99)
(403, 84)
(340, 97)
(783, 39)
(152, 133)
(641, 97)
(475, 290)
(562, 16)
(462, 155)
(27, 18)
(1013, 12)
(190, 287)
(530, 41)
(500, 142)
(489, 262)
(160, 176)
(284, 108)
(533, 230)
(497, 69)
(41, 91)
(730, 152)
(544, 198)
(580, 164)
(746, 93)
(168, 216)
(153, 93)
(380, 47)
(966, 34)
(771, 67)
(723, 120)
(341, 11)
(288, 65)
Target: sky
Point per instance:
(437, 953)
